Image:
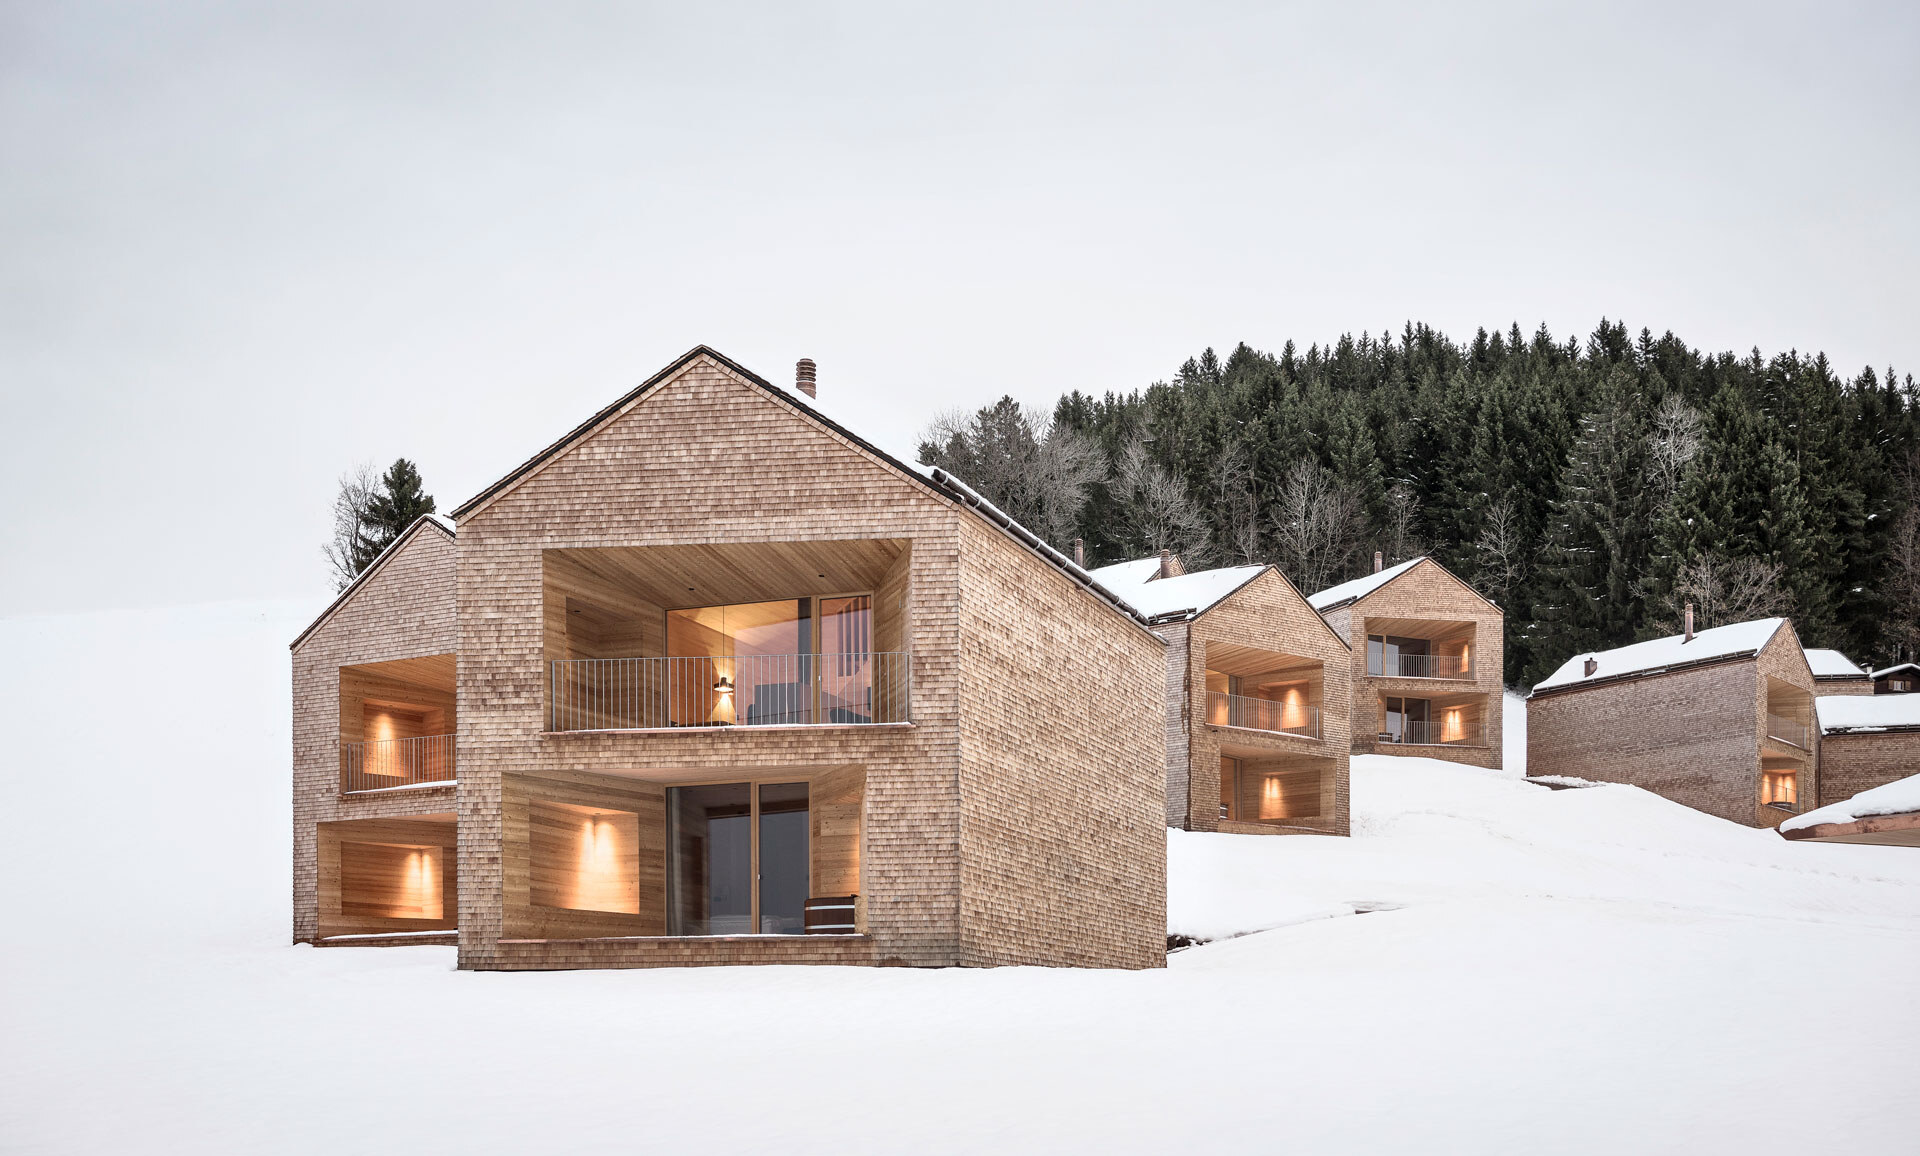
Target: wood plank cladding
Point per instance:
(590, 858)
(376, 875)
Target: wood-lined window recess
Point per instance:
(1780, 788)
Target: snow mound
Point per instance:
(1895, 798)
(1428, 832)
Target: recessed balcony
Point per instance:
(397, 722)
(754, 635)
(1263, 690)
(1409, 648)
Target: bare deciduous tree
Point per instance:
(1724, 592)
(1672, 445)
(1498, 550)
(1239, 506)
(351, 522)
(1318, 526)
(1163, 513)
(1019, 460)
(1398, 539)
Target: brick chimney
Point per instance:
(803, 377)
(1080, 553)
(1689, 637)
(1378, 561)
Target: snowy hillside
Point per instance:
(1486, 966)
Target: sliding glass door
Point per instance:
(738, 859)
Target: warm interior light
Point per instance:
(598, 885)
(420, 886)
(1452, 726)
(1273, 803)
(383, 754)
(1293, 709)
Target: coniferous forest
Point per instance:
(1590, 487)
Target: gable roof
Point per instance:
(1844, 713)
(1359, 588)
(939, 482)
(1907, 666)
(1185, 597)
(444, 525)
(1832, 664)
(1347, 593)
(1181, 594)
(1722, 643)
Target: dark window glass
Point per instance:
(710, 860)
(784, 884)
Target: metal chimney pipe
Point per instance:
(1166, 564)
(1378, 561)
(1593, 664)
(803, 377)
(1080, 553)
(1689, 637)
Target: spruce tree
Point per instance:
(399, 501)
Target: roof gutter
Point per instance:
(1630, 675)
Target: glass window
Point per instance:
(710, 860)
(784, 883)
(846, 659)
(1376, 653)
(1407, 720)
(1229, 786)
(747, 663)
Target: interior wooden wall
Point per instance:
(522, 799)
(425, 708)
(891, 627)
(358, 873)
(559, 834)
(1306, 788)
(836, 800)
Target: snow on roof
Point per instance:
(442, 521)
(1833, 664)
(1896, 798)
(1884, 672)
(1866, 712)
(1193, 593)
(1360, 587)
(1657, 654)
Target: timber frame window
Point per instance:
(738, 859)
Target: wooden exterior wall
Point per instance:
(1427, 592)
(403, 610)
(1265, 614)
(1062, 773)
(1696, 735)
(709, 458)
(1851, 763)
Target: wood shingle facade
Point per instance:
(726, 674)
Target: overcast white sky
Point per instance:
(243, 248)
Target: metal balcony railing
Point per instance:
(370, 766)
(1431, 734)
(594, 694)
(1787, 730)
(1421, 666)
(1262, 714)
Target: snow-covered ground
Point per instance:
(1486, 966)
